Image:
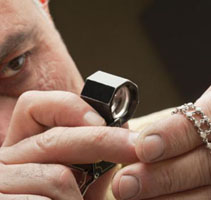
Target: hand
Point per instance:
(174, 163)
(50, 130)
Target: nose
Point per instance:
(7, 105)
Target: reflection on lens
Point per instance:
(120, 102)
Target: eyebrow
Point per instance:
(15, 41)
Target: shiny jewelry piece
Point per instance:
(115, 99)
(200, 121)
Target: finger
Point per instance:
(203, 193)
(172, 136)
(36, 110)
(22, 197)
(77, 145)
(208, 90)
(53, 181)
(139, 124)
(167, 177)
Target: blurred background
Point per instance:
(163, 46)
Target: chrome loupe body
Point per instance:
(115, 99)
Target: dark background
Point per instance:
(162, 45)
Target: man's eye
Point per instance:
(14, 66)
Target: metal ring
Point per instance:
(200, 121)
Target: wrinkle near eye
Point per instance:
(49, 78)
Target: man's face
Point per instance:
(32, 56)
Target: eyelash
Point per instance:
(6, 65)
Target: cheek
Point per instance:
(49, 77)
(56, 72)
(6, 109)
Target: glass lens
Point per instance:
(120, 102)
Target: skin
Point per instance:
(40, 102)
(47, 67)
(181, 171)
(47, 61)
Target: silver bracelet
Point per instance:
(200, 121)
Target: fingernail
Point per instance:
(133, 137)
(94, 119)
(153, 147)
(129, 187)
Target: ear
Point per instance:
(45, 5)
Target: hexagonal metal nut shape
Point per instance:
(100, 89)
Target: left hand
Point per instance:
(48, 131)
(174, 163)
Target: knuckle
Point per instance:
(26, 97)
(204, 165)
(26, 100)
(44, 141)
(166, 180)
(61, 178)
(100, 136)
(48, 141)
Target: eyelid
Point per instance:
(8, 60)
(27, 54)
(14, 54)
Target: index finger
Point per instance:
(80, 145)
(37, 111)
(171, 136)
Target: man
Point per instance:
(33, 57)
(46, 129)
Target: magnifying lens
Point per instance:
(120, 103)
(116, 100)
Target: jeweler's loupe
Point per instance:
(115, 99)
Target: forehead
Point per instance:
(16, 14)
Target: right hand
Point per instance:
(50, 130)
